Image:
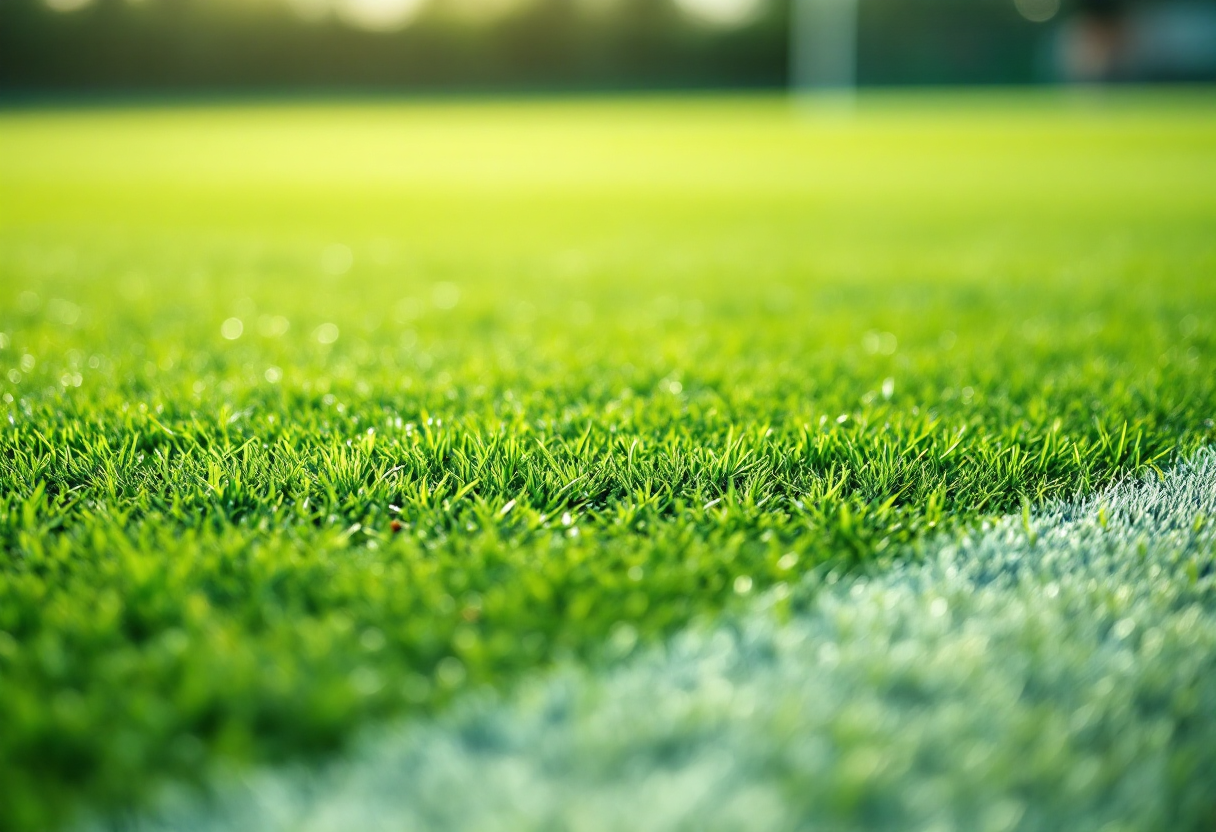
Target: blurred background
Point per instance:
(81, 47)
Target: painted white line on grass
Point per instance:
(1050, 673)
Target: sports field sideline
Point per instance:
(320, 417)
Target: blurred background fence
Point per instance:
(80, 46)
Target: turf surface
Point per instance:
(321, 414)
(1053, 671)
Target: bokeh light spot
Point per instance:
(337, 259)
(64, 6)
(721, 12)
(379, 15)
(326, 333)
(232, 328)
(445, 295)
(1037, 11)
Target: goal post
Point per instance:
(823, 48)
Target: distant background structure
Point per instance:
(83, 47)
(1107, 41)
(823, 46)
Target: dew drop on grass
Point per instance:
(232, 328)
(1124, 628)
(366, 681)
(622, 639)
(450, 672)
(337, 259)
(326, 333)
(445, 295)
(273, 326)
(372, 639)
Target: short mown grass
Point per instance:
(315, 415)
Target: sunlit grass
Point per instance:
(315, 415)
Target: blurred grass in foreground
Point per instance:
(1052, 671)
(317, 414)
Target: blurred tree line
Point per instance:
(223, 45)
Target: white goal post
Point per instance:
(823, 47)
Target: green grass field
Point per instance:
(320, 415)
